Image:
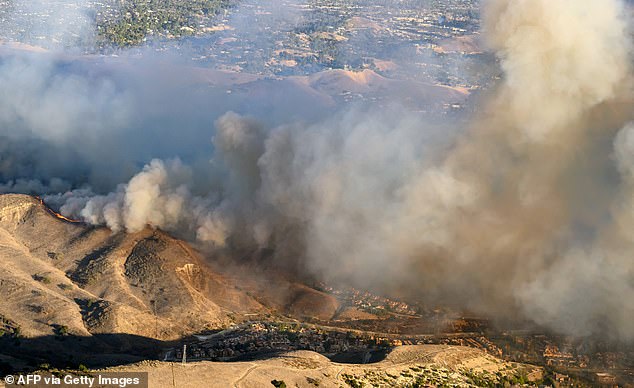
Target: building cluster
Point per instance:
(570, 360)
(55, 23)
(570, 357)
(478, 342)
(273, 38)
(265, 337)
(369, 302)
(393, 38)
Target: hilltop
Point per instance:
(61, 279)
(405, 367)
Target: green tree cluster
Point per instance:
(140, 18)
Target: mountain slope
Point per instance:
(56, 273)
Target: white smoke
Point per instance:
(55, 106)
(511, 217)
(560, 58)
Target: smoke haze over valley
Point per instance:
(500, 186)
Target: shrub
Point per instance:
(61, 330)
(42, 278)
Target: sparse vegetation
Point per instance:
(519, 378)
(61, 330)
(38, 309)
(44, 366)
(55, 256)
(42, 278)
(278, 383)
(481, 379)
(91, 302)
(65, 286)
(9, 328)
(352, 381)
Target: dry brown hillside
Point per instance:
(61, 279)
(76, 294)
(407, 366)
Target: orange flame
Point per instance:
(55, 214)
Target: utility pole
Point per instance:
(173, 378)
(184, 354)
(153, 303)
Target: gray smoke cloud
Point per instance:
(527, 210)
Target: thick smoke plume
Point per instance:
(560, 58)
(527, 211)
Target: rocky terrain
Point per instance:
(65, 283)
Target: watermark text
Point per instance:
(89, 380)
